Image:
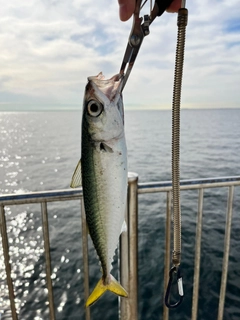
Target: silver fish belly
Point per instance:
(103, 173)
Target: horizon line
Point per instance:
(127, 109)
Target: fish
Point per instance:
(103, 174)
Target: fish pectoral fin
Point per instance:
(105, 148)
(113, 286)
(77, 176)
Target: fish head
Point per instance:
(103, 108)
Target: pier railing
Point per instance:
(128, 242)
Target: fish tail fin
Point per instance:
(97, 293)
(113, 286)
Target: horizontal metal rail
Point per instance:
(75, 194)
(129, 241)
(41, 196)
(189, 184)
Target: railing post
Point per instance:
(197, 256)
(228, 225)
(124, 270)
(167, 250)
(85, 258)
(133, 245)
(5, 246)
(48, 259)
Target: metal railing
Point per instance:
(128, 242)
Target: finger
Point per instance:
(126, 9)
(174, 6)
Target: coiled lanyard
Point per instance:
(176, 255)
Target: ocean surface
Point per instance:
(39, 151)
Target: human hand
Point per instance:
(126, 8)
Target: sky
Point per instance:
(48, 48)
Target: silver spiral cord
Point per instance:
(182, 23)
(176, 255)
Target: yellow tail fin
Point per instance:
(114, 286)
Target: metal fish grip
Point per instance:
(140, 29)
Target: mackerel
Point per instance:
(102, 172)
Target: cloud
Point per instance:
(49, 48)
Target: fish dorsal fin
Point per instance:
(77, 176)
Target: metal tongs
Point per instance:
(140, 29)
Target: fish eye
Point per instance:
(94, 108)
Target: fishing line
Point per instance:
(179, 61)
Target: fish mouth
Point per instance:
(109, 87)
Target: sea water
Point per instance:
(39, 151)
